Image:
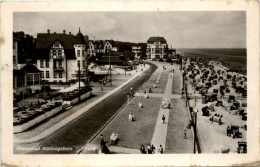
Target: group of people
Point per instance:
(166, 105)
(150, 149)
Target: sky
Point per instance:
(183, 29)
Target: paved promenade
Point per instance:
(160, 131)
(171, 134)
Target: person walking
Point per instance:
(142, 149)
(185, 134)
(153, 149)
(163, 119)
(161, 150)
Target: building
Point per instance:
(157, 48)
(100, 46)
(26, 81)
(137, 50)
(61, 56)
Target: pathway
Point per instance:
(160, 131)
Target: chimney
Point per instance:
(70, 33)
(64, 31)
(48, 31)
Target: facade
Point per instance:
(100, 46)
(61, 56)
(26, 81)
(137, 50)
(157, 48)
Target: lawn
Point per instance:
(133, 134)
(176, 85)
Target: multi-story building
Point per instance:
(137, 51)
(100, 46)
(61, 56)
(157, 48)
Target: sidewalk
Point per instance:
(178, 121)
(160, 131)
(77, 114)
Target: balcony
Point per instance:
(58, 68)
(58, 57)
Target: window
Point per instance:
(47, 74)
(54, 52)
(78, 63)
(55, 75)
(60, 63)
(59, 52)
(41, 64)
(60, 74)
(83, 63)
(78, 53)
(14, 46)
(83, 52)
(47, 64)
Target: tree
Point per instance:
(26, 47)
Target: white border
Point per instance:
(252, 11)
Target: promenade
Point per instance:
(148, 127)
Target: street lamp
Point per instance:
(79, 81)
(195, 130)
(110, 70)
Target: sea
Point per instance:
(233, 58)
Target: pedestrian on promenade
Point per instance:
(102, 141)
(153, 149)
(163, 103)
(160, 149)
(163, 119)
(140, 105)
(130, 117)
(168, 104)
(131, 91)
(185, 134)
(149, 149)
(142, 149)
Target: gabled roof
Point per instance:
(29, 68)
(112, 42)
(46, 40)
(156, 39)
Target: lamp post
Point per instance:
(195, 130)
(110, 70)
(86, 63)
(79, 81)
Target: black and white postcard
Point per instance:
(107, 83)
